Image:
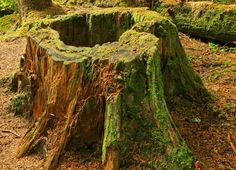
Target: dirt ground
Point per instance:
(208, 129)
(10, 124)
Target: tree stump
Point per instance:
(101, 77)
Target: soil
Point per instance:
(10, 124)
(209, 129)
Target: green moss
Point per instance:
(112, 123)
(179, 159)
(156, 98)
(7, 23)
(107, 3)
(19, 104)
(14, 84)
(206, 20)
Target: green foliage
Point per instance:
(228, 106)
(213, 47)
(216, 48)
(160, 8)
(8, 5)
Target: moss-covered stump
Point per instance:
(207, 20)
(111, 94)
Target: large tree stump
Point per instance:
(112, 93)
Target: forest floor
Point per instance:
(209, 129)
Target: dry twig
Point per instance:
(12, 132)
(231, 143)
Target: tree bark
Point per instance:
(112, 93)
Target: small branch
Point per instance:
(231, 143)
(12, 132)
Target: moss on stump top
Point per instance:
(101, 34)
(119, 34)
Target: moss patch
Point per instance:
(20, 104)
(207, 20)
(7, 23)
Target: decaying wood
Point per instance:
(107, 94)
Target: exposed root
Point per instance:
(112, 162)
(52, 159)
(32, 135)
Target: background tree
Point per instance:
(25, 5)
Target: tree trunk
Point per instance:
(110, 94)
(26, 5)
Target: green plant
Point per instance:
(232, 50)
(8, 5)
(159, 7)
(217, 48)
(213, 47)
(228, 106)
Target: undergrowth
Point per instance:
(217, 48)
(8, 5)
